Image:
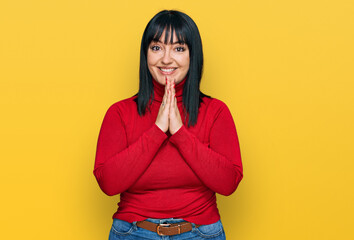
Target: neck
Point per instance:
(159, 90)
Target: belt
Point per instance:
(167, 229)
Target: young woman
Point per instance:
(170, 148)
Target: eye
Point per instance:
(155, 48)
(180, 49)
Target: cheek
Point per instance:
(186, 59)
(183, 61)
(150, 64)
(186, 62)
(151, 59)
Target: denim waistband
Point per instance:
(165, 220)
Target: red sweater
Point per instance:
(162, 176)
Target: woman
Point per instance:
(170, 148)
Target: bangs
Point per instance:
(170, 30)
(172, 25)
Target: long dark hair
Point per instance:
(187, 32)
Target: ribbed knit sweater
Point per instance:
(159, 175)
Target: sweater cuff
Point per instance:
(180, 137)
(156, 134)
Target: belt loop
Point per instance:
(135, 227)
(193, 227)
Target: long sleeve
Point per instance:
(117, 165)
(218, 165)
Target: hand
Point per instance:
(168, 117)
(162, 120)
(175, 122)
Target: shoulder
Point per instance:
(214, 105)
(123, 107)
(217, 113)
(215, 110)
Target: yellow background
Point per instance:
(284, 68)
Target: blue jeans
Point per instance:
(126, 230)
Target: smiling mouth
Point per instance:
(167, 70)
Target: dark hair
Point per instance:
(187, 32)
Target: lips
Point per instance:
(167, 71)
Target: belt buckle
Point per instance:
(162, 225)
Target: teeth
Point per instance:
(167, 69)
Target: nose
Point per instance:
(166, 59)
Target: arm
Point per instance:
(118, 165)
(219, 166)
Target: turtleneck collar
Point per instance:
(159, 90)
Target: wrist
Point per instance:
(161, 128)
(173, 131)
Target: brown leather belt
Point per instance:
(166, 229)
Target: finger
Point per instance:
(164, 99)
(168, 97)
(177, 110)
(173, 88)
(172, 98)
(173, 91)
(172, 107)
(170, 84)
(166, 87)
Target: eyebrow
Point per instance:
(178, 42)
